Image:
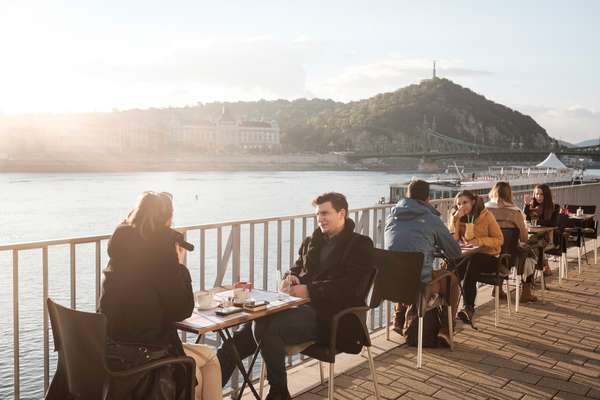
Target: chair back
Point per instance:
(397, 277)
(510, 245)
(80, 340)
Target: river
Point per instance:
(48, 206)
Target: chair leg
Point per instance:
(508, 297)
(389, 317)
(543, 279)
(373, 373)
(595, 251)
(496, 303)
(263, 372)
(560, 269)
(331, 381)
(420, 344)
(451, 327)
(517, 292)
(321, 372)
(579, 260)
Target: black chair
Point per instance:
(506, 261)
(398, 280)
(571, 235)
(327, 352)
(82, 373)
(514, 254)
(589, 228)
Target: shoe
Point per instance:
(444, 338)
(278, 393)
(527, 295)
(399, 319)
(466, 314)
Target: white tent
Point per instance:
(552, 162)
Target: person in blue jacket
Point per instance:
(415, 225)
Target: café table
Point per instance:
(202, 322)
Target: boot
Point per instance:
(399, 318)
(527, 294)
(278, 393)
(466, 314)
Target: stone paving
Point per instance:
(546, 351)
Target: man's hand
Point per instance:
(288, 282)
(299, 291)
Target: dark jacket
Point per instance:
(344, 284)
(145, 289)
(552, 221)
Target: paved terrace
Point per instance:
(546, 351)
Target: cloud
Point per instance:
(572, 124)
(391, 73)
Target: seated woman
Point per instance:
(146, 288)
(540, 207)
(472, 223)
(510, 216)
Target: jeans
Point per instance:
(479, 263)
(294, 326)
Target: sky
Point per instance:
(539, 57)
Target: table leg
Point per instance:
(240, 364)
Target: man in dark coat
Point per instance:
(333, 270)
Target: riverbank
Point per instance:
(263, 162)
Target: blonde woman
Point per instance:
(146, 288)
(509, 215)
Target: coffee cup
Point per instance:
(240, 295)
(203, 299)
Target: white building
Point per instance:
(227, 133)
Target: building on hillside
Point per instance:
(227, 133)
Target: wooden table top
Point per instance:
(583, 216)
(540, 229)
(204, 321)
(469, 250)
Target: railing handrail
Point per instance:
(91, 239)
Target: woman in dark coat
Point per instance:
(146, 288)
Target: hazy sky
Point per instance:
(540, 57)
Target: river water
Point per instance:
(48, 206)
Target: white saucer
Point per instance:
(214, 304)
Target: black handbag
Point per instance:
(157, 384)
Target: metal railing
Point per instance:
(213, 261)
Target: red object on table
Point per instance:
(243, 285)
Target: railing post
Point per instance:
(279, 244)
(292, 240)
(251, 255)
(45, 336)
(265, 271)
(98, 270)
(202, 259)
(236, 250)
(16, 361)
(73, 276)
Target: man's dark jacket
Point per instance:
(345, 283)
(145, 289)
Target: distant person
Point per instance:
(146, 289)
(510, 216)
(541, 207)
(414, 225)
(469, 213)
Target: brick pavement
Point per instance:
(546, 351)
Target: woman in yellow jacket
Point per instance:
(474, 225)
